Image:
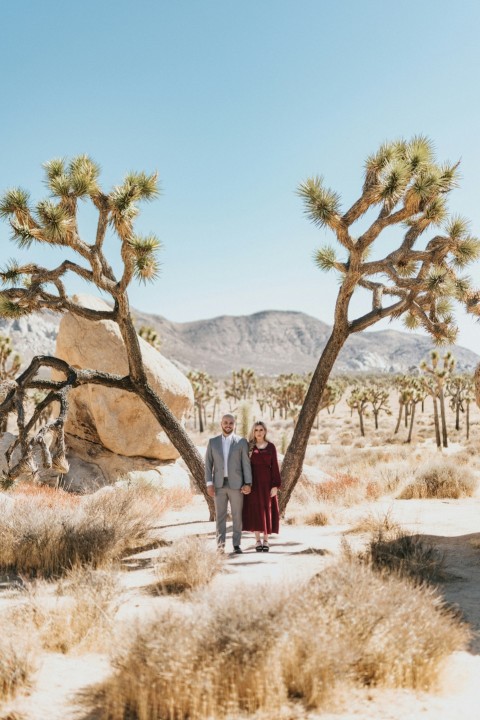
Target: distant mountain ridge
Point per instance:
(271, 342)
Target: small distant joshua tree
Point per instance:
(204, 390)
(150, 336)
(461, 393)
(358, 400)
(437, 376)
(411, 391)
(31, 287)
(242, 385)
(418, 280)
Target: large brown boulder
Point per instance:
(116, 419)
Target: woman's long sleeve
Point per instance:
(276, 479)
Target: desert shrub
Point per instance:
(317, 518)
(407, 555)
(252, 648)
(187, 564)
(376, 524)
(344, 488)
(441, 479)
(42, 539)
(78, 616)
(46, 496)
(202, 661)
(388, 631)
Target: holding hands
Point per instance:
(273, 492)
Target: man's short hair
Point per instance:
(229, 415)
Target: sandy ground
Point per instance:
(62, 681)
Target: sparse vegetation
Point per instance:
(441, 479)
(189, 563)
(17, 659)
(46, 539)
(208, 658)
(394, 550)
(79, 615)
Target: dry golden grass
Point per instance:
(45, 495)
(18, 655)
(305, 510)
(376, 524)
(442, 478)
(317, 518)
(79, 614)
(189, 563)
(251, 649)
(38, 538)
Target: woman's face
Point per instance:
(259, 433)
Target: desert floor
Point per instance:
(63, 683)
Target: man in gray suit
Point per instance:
(228, 476)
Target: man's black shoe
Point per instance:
(237, 550)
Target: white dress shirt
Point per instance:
(226, 443)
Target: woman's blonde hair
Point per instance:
(251, 437)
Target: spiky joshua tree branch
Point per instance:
(418, 280)
(31, 287)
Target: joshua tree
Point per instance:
(378, 397)
(408, 189)
(247, 381)
(203, 392)
(263, 395)
(233, 389)
(53, 222)
(434, 383)
(151, 336)
(404, 397)
(242, 385)
(289, 392)
(460, 390)
(358, 400)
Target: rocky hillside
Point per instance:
(271, 342)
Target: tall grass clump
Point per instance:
(187, 564)
(44, 539)
(441, 479)
(206, 659)
(17, 658)
(252, 648)
(408, 555)
(79, 615)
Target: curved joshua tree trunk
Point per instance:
(295, 455)
(441, 399)
(412, 417)
(173, 429)
(436, 421)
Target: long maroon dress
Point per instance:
(260, 511)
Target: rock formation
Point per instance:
(118, 420)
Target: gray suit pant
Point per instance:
(222, 496)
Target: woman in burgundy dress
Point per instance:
(260, 507)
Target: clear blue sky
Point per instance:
(235, 103)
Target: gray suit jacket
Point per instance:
(239, 471)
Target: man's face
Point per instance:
(228, 425)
